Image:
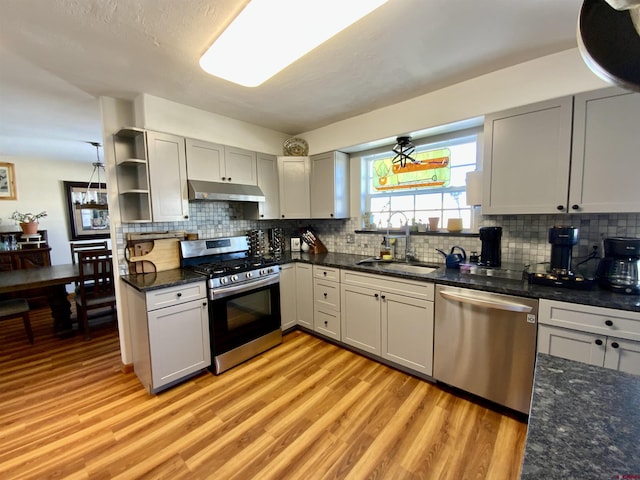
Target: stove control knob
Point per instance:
(263, 271)
(234, 278)
(223, 280)
(270, 270)
(249, 274)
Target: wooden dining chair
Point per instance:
(96, 288)
(84, 246)
(16, 308)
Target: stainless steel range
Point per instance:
(244, 298)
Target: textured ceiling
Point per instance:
(59, 55)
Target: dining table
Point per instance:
(53, 280)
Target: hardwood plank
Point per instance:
(305, 409)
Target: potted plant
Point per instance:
(28, 221)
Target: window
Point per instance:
(436, 187)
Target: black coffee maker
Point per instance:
(490, 255)
(562, 240)
(619, 269)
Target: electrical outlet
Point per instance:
(351, 238)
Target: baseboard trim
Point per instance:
(127, 368)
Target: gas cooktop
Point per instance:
(221, 268)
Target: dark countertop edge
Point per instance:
(145, 282)
(588, 411)
(596, 297)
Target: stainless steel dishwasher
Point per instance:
(485, 344)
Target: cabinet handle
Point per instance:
(575, 206)
(324, 273)
(224, 178)
(282, 216)
(331, 215)
(560, 207)
(325, 294)
(598, 342)
(229, 179)
(376, 295)
(204, 304)
(614, 345)
(261, 215)
(326, 324)
(178, 294)
(383, 297)
(608, 323)
(186, 217)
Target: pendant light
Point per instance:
(92, 197)
(403, 150)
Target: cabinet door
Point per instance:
(360, 314)
(240, 166)
(526, 159)
(330, 185)
(304, 294)
(604, 166)
(205, 161)
(268, 183)
(293, 176)
(622, 355)
(327, 323)
(572, 345)
(407, 332)
(168, 177)
(179, 341)
(288, 315)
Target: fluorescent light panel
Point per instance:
(269, 35)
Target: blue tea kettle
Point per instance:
(453, 260)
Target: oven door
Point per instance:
(240, 317)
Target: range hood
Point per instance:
(201, 190)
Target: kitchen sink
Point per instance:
(397, 266)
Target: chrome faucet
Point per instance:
(409, 255)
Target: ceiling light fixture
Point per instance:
(403, 150)
(93, 198)
(269, 35)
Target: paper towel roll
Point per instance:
(474, 188)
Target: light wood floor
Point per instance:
(304, 410)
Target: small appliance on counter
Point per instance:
(562, 239)
(618, 269)
(491, 252)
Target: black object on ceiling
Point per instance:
(609, 43)
(403, 150)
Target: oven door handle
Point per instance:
(226, 291)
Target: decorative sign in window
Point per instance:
(430, 169)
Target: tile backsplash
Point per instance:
(524, 237)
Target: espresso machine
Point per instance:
(619, 268)
(560, 274)
(491, 252)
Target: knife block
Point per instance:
(318, 247)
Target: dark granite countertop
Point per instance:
(168, 278)
(584, 423)
(595, 297)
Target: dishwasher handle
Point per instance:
(486, 302)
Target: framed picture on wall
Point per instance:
(7, 182)
(88, 210)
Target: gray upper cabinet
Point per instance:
(605, 161)
(240, 166)
(168, 177)
(526, 158)
(205, 160)
(568, 155)
(213, 162)
(294, 177)
(330, 185)
(268, 183)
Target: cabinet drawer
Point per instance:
(327, 323)
(413, 288)
(167, 297)
(327, 273)
(326, 295)
(603, 321)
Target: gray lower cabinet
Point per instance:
(169, 333)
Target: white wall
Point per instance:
(39, 187)
(154, 113)
(557, 75)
